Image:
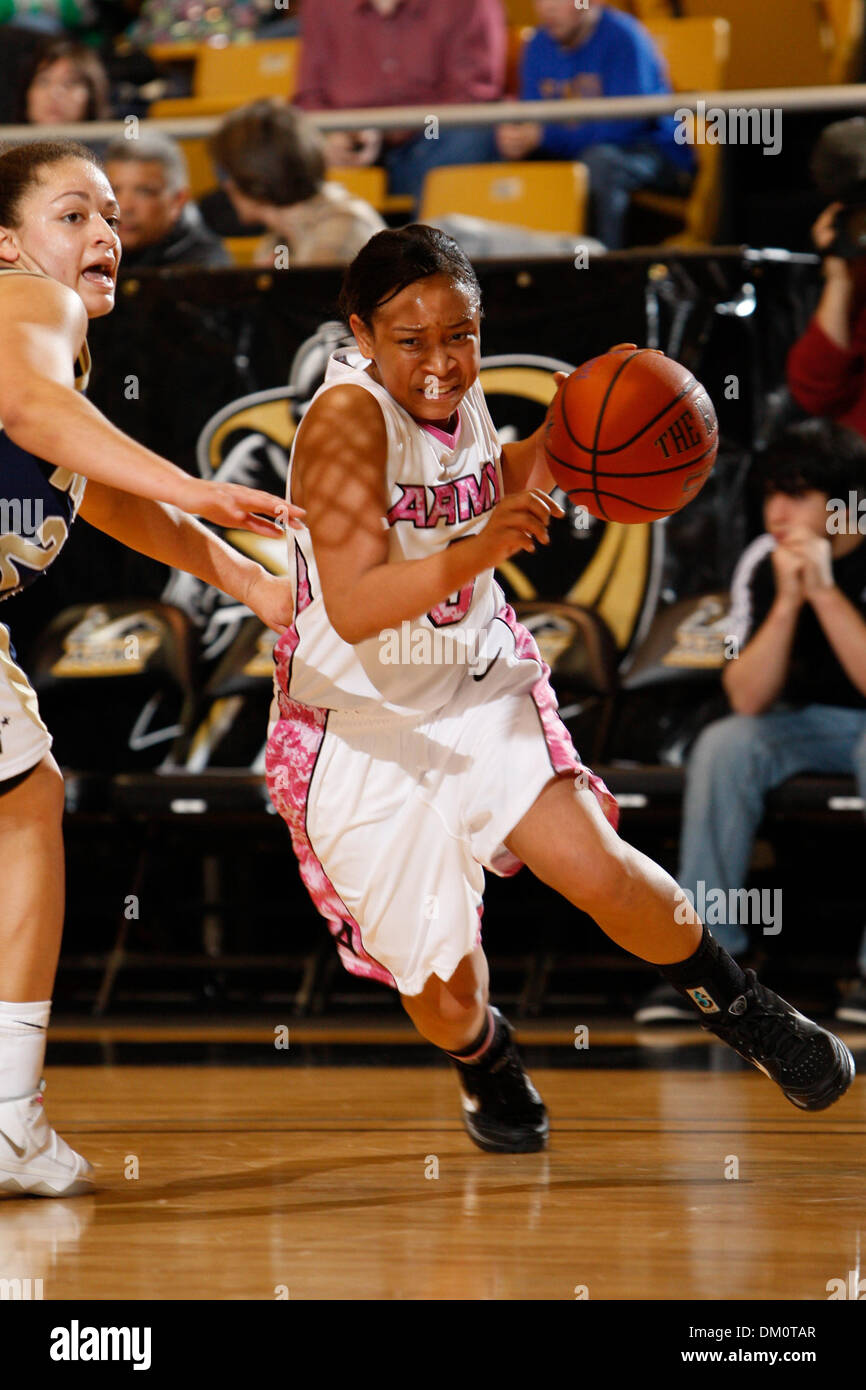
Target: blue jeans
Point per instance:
(733, 765)
(614, 174)
(408, 164)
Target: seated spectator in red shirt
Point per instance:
(598, 52)
(432, 53)
(827, 365)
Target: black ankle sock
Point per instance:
(486, 1040)
(710, 979)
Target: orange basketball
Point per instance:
(631, 436)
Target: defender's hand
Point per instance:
(244, 508)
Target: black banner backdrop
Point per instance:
(182, 345)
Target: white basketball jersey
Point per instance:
(437, 496)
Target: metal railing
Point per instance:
(788, 99)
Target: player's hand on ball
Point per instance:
(516, 523)
(243, 508)
(633, 347)
(270, 598)
(560, 378)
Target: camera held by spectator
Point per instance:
(839, 171)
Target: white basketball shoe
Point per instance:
(33, 1159)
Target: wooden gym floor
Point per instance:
(673, 1172)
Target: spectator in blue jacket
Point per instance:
(595, 52)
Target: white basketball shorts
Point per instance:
(394, 821)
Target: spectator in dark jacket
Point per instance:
(159, 226)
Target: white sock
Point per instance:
(22, 1047)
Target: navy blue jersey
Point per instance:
(38, 502)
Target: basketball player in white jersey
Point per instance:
(59, 253)
(415, 740)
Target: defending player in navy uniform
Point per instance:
(415, 740)
(59, 253)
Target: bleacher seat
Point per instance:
(518, 36)
(202, 176)
(776, 43)
(546, 196)
(696, 52)
(242, 249)
(845, 18)
(519, 12)
(228, 77)
(369, 182)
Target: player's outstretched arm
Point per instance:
(340, 468)
(167, 535)
(43, 330)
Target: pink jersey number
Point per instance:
(453, 609)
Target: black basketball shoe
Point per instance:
(502, 1110)
(812, 1067)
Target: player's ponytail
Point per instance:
(20, 166)
(391, 260)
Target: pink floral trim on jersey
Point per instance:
(558, 739)
(290, 758)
